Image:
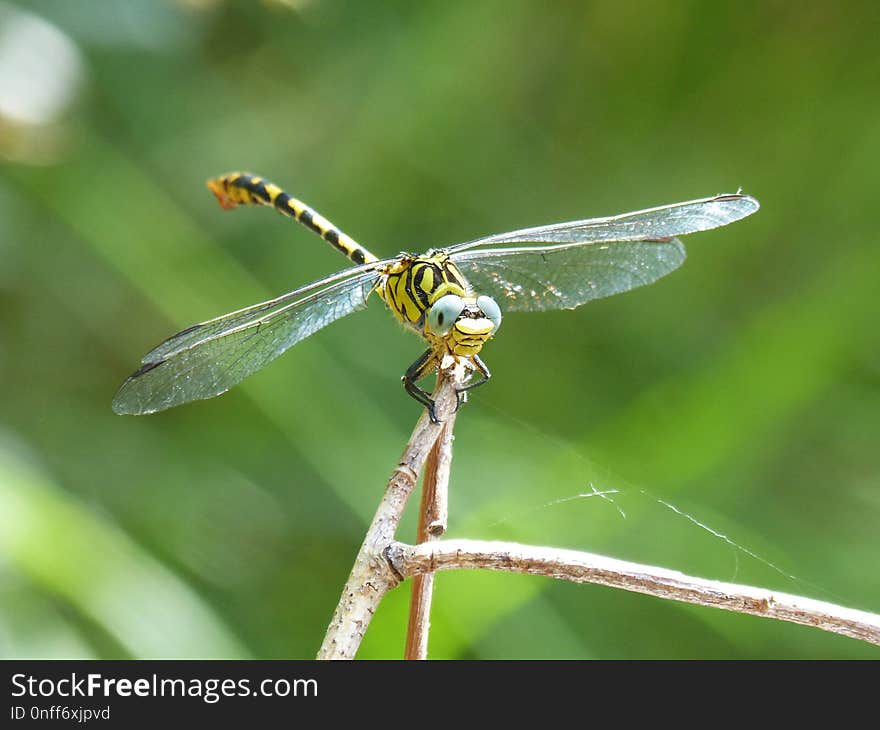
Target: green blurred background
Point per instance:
(743, 390)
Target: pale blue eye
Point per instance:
(491, 310)
(443, 314)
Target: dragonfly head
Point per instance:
(463, 324)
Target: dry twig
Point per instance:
(433, 514)
(372, 576)
(382, 563)
(581, 567)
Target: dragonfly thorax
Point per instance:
(430, 295)
(412, 284)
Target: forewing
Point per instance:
(666, 221)
(208, 359)
(227, 322)
(538, 278)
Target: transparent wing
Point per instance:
(538, 278)
(209, 358)
(666, 221)
(226, 322)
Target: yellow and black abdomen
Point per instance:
(240, 188)
(413, 284)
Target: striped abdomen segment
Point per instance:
(239, 188)
(414, 284)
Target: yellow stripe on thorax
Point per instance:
(412, 285)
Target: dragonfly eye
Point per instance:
(443, 314)
(491, 310)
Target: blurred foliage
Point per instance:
(744, 389)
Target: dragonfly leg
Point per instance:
(419, 369)
(461, 393)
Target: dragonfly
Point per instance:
(452, 297)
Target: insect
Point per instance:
(449, 296)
